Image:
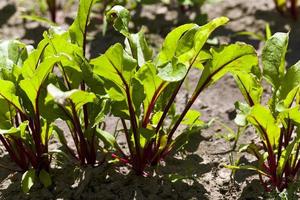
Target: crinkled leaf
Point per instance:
(120, 18)
(273, 58)
(172, 72)
(138, 48)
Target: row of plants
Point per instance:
(58, 81)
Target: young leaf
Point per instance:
(45, 178)
(290, 80)
(78, 29)
(108, 139)
(153, 85)
(8, 92)
(115, 65)
(265, 123)
(12, 52)
(171, 41)
(32, 86)
(120, 17)
(138, 48)
(77, 97)
(249, 86)
(273, 58)
(28, 180)
(233, 58)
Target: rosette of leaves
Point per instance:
(81, 107)
(277, 122)
(24, 131)
(145, 86)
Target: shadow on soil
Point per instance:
(6, 13)
(110, 182)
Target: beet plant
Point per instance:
(277, 123)
(25, 132)
(69, 96)
(143, 87)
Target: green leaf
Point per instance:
(120, 17)
(8, 92)
(273, 58)
(79, 27)
(171, 41)
(182, 48)
(138, 48)
(18, 132)
(247, 167)
(172, 72)
(118, 67)
(263, 120)
(249, 86)
(33, 60)
(46, 133)
(192, 119)
(237, 57)
(290, 80)
(153, 84)
(6, 112)
(12, 55)
(28, 180)
(31, 86)
(188, 52)
(45, 178)
(242, 112)
(146, 135)
(286, 155)
(108, 139)
(77, 97)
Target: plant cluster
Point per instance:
(277, 123)
(58, 81)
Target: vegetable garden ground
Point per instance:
(198, 171)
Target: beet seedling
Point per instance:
(277, 123)
(145, 87)
(69, 96)
(25, 132)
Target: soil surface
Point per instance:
(195, 173)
